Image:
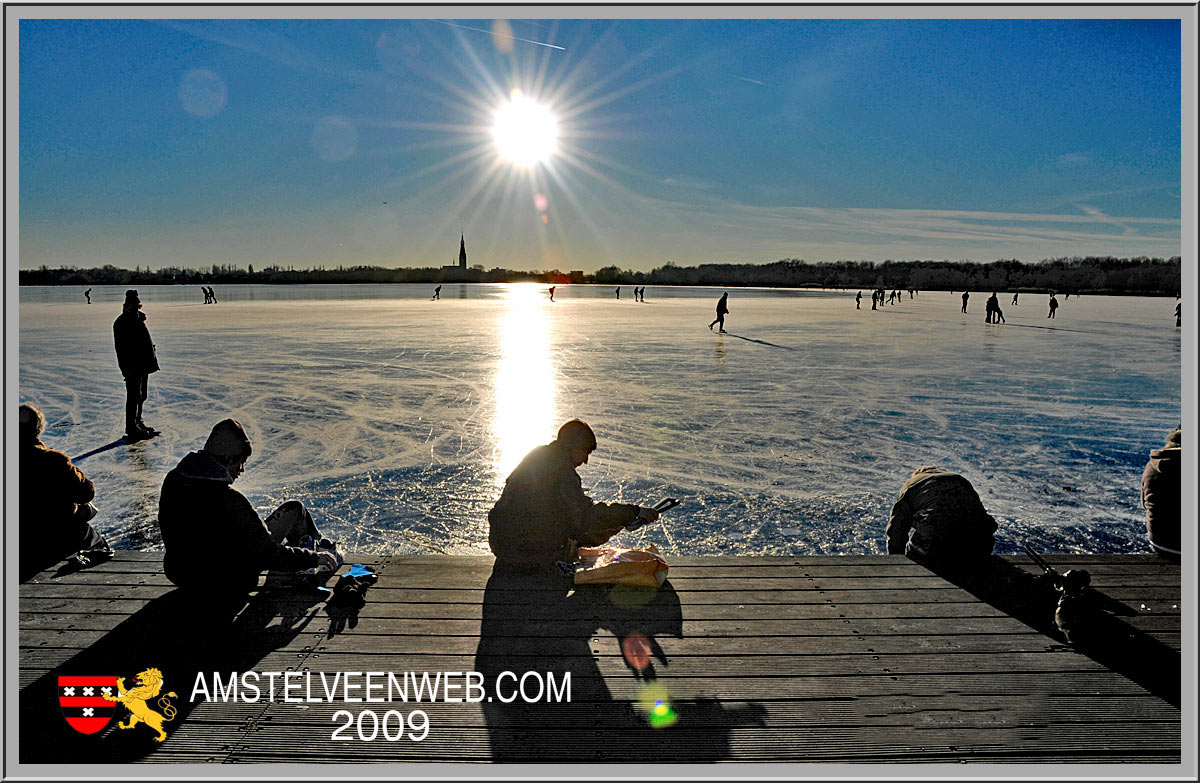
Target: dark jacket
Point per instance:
(212, 535)
(722, 306)
(939, 516)
(52, 491)
(543, 508)
(1161, 489)
(135, 350)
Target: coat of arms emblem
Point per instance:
(82, 701)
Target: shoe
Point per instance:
(146, 428)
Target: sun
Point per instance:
(525, 132)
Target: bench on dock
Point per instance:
(850, 659)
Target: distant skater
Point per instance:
(437, 292)
(212, 297)
(88, 294)
(618, 292)
(552, 293)
(965, 297)
(1014, 301)
(1177, 319)
(994, 314)
(858, 301)
(1053, 306)
(874, 300)
(722, 309)
(205, 292)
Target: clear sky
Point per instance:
(369, 141)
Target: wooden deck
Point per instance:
(861, 659)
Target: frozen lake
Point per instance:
(396, 418)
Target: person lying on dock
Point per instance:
(55, 502)
(938, 519)
(543, 512)
(213, 537)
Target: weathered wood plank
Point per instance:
(853, 659)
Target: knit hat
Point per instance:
(131, 297)
(228, 440)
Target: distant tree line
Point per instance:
(1092, 274)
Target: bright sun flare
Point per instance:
(525, 132)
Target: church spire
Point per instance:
(462, 252)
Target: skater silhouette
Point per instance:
(722, 309)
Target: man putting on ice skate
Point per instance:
(214, 538)
(543, 513)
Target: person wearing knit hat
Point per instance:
(199, 508)
(136, 358)
(1161, 497)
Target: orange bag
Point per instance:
(617, 566)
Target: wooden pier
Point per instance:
(849, 660)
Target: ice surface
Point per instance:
(396, 418)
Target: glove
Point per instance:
(327, 562)
(644, 517)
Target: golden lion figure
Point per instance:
(149, 685)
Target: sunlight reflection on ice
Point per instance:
(525, 414)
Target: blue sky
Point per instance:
(327, 142)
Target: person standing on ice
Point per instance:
(858, 301)
(543, 512)
(1178, 320)
(966, 295)
(213, 537)
(939, 519)
(722, 310)
(136, 358)
(1053, 306)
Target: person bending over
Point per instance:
(543, 513)
(55, 502)
(939, 519)
(212, 535)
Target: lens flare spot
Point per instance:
(540, 202)
(335, 139)
(502, 36)
(202, 93)
(525, 132)
(636, 649)
(655, 701)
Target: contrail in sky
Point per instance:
(499, 35)
(752, 81)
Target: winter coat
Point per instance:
(52, 491)
(543, 508)
(135, 350)
(722, 307)
(1161, 490)
(939, 516)
(212, 535)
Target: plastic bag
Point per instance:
(617, 566)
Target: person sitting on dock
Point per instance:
(55, 502)
(1161, 497)
(938, 519)
(543, 511)
(213, 537)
